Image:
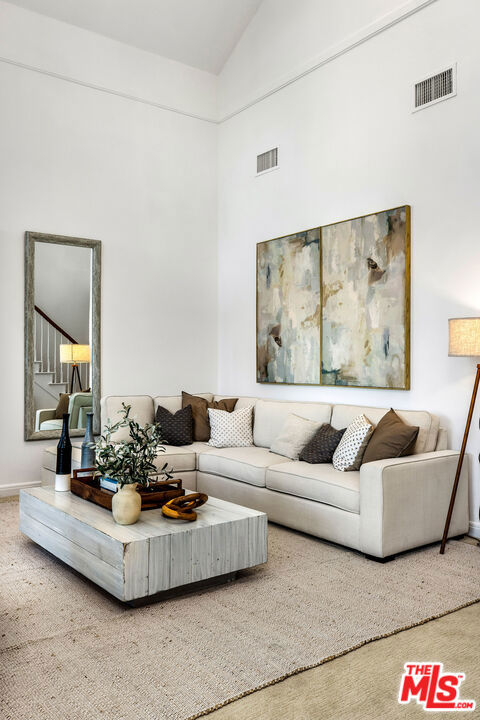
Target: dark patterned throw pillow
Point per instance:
(177, 429)
(321, 447)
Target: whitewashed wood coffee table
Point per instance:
(155, 555)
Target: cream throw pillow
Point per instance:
(231, 429)
(296, 432)
(349, 452)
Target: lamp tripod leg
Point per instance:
(460, 462)
(75, 372)
(79, 380)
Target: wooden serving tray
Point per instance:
(84, 484)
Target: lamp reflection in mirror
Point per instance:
(463, 341)
(73, 355)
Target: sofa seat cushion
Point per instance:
(51, 425)
(247, 464)
(321, 483)
(182, 458)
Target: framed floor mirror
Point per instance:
(62, 334)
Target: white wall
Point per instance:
(51, 46)
(82, 162)
(286, 37)
(76, 160)
(349, 145)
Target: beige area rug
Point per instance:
(69, 651)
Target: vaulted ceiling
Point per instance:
(200, 33)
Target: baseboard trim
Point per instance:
(474, 530)
(14, 488)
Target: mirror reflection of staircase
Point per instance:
(47, 388)
(51, 377)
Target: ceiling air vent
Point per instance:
(435, 88)
(267, 161)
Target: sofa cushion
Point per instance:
(241, 401)
(270, 416)
(62, 405)
(230, 429)
(321, 483)
(142, 412)
(200, 406)
(349, 453)
(177, 428)
(428, 424)
(174, 402)
(391, 438)
(51, 425)
(321, 447)
(294, 434)
(247, 464)
(442, 439)
(181, 458)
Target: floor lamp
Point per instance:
(463, 341)
(72, 355)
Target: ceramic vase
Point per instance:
(88, 453)
(126, 505)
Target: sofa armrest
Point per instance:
(404, 501)
(42, 415)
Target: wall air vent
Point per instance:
(267, 161)
(435, 88)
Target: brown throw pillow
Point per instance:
(391, 438)
(201, 423)
(62, 407)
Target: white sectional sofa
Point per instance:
(384, 508)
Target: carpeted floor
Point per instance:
(363, 684)
(70, 651)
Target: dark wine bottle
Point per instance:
(64, 458)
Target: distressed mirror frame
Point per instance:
(95, 245)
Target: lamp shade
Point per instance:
(464, 337)
(74, 353)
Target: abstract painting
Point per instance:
(288, 309)
(365, 323)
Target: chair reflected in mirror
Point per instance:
(77, 405)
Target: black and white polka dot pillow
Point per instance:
(231, 429)
(349, 452)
